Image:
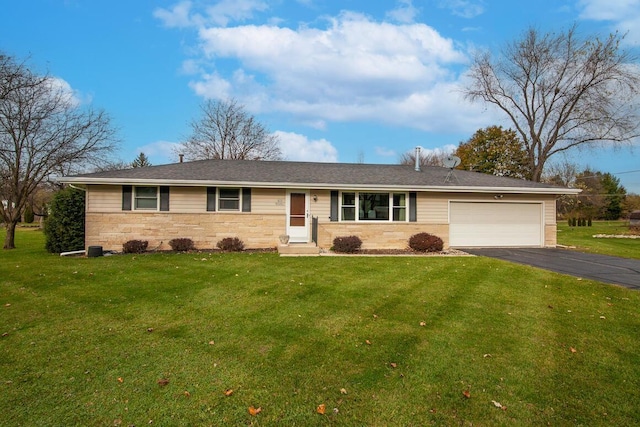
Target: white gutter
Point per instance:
(321, 186)
(78, 188)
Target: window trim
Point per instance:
(391, 206)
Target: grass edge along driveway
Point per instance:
(198, 339)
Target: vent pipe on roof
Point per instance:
(417, 168)
(181, 156)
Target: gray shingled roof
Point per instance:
(309, 175)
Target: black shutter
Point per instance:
(127, 192)
(413, 208)
(333, 212)
(211, 199)
(246, 200)
(164, 198)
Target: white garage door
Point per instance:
(487, 224)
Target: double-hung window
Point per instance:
(348, 206)
(229, 199)
(146, 198)
(399, 207)
(370, 206)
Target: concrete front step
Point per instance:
(299, 249)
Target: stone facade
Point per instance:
(379, 235)
(111, 230)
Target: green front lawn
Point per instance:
(379, 341)
(583, 240)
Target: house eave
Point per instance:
(322, 186)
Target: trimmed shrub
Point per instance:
(230, 244)
(425, 242)
(574, 222)
(28, 215)
(64, 227)
(182, 244)
(135, 246)
(347, 244)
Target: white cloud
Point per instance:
(179, 16)
(385, 152)
(405, 12)
(159, 152)
(212, 86)
(438, 151)
(463, 8)
(298, 147)
(351, 69)
(68, 95)
(225, 11)
(354, 69)
(624, 15)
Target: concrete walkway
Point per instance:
(603, 268)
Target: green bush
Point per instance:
(64, 227)
(347, 244)
(28, 215)
(135, 246)
(182, 244)
(425, 242)
(230, 244)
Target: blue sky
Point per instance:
(345, 81)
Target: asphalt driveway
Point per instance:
(603, 268)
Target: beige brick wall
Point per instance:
(111, 230)
(550, 235)
(379, 236)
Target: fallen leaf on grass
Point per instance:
(163, 382)
(467, 394)
(498, 405)
(343, 390)
(573, 350)
(149, 329)
(254, 411)
(228, 392)
(321, 409)
(368, 342)
(211, 342)
(487, 355)
(602, 317)
(393, 365)
(375, 316)
(187, 394)
(423, 323)
(120, 380)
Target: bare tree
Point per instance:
(427, 157)
(43, 130)
(226, 131)
(561, 91)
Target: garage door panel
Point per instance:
(487, 224)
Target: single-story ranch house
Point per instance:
(259, 201)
